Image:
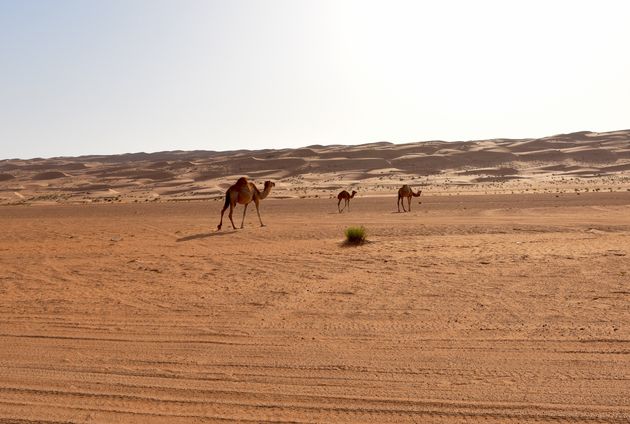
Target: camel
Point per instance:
(344, 195)
(406, 191)
(244, 192)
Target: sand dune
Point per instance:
(49, 175)
(565, 162)
(502, 171)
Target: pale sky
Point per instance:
(115, 76)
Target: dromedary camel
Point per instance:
(344, 195)
(244, 192)
(406, 191)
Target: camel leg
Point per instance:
(258, 212)
(230, 214)
(348, 204)
(339, 203)
(225, 206)
(221, 222)
(409, 198)
(244, 211)
(402, 202)
(398, 204)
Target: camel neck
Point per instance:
(265, 192)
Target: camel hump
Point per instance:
(241, 181)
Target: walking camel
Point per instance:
(344, 195)
(406, 191)
(244, 192)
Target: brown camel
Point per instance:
(406, 191)
(244, 192)
(344, 195)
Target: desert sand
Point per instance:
(471, 308)
(503, 296)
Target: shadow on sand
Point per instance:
(205, 235)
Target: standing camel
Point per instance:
(344, 195)
(406, 191)
(244, 192)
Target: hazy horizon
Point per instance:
(90, 78)
(290, 147)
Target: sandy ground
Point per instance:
(494, 309)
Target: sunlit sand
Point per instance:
(502, 296)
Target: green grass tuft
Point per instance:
(355, 235)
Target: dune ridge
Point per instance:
(566, 162)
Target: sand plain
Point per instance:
(471, 308)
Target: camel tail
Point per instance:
(227, 200)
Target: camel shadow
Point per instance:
(205, 235)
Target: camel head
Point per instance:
(353, 193)
(267, 189)
(416, 194)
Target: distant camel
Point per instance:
(344, 195)
(406, 191)
(244, 192)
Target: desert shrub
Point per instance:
(355, 235)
